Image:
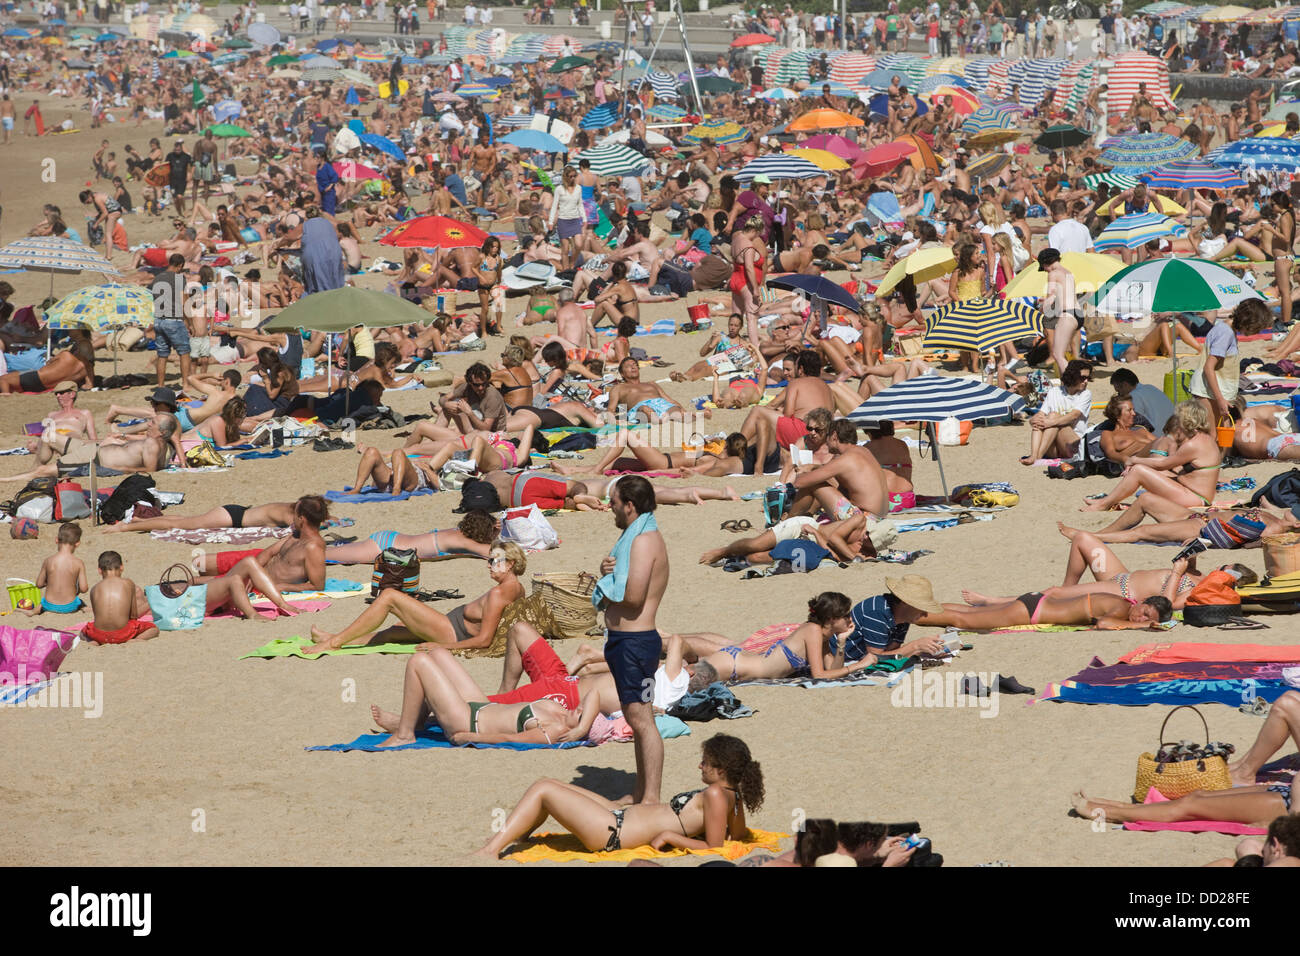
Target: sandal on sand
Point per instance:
(743, 525)
(729, 525)
(1259, 707)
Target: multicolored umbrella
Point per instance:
(370, 56)
(722, 132)
(471, 90)
(1129, 232)
(964, 102)
(988, 118)
(1263, 153)
(1192, 174)
(981, 324)
(820, 158)
(102, 308)
(1140, 152)
(54, 254)
(435, 231)
(1172, 285)
(612, 159)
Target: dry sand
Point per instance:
(187, 728)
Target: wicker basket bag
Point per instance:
(1178, 778)
(568, 595)
(1281, 554)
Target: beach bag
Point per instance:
(953, 432)
(28, 656)
(1282, 490)
(528, 528)
(176, 602)
(204, 455)
(1213, 601)
(1281, 554)
(397, 568)
(33, 490)
(776, 501)
(1019, 254)
(568, 596)
(1176, 385)
(1177, 778)
(38, 509)
(70, 502)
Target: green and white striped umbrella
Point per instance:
(981, 324)
(611, 159)
(1171, 285)
(1116, 180)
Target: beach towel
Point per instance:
(334, 588)
(567, 848)
(646, 474)
(371, 496)
(1169, 693)
(12, 695)
(875, 676)
(1117, 674)
(1193, 826)
(662, 327)
(432, 737)
(611, 587)
(1180, 652)
(293, 647)
(219, 535)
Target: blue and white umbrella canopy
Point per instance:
(227, 110)
(535, 140)
(986, 118)
(54, 254)
(600, 117)
(1141, 152)
(779, 166)
(932, 398)
(1192, 174)
(515, 120)
(777, 93)
(837, 89)
(1263, 153)
(932, 83)
(663, 84)
(1129, 232)
(611, 159)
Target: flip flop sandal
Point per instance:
(1242, 624)
(743, 525)
(339, 539)
(728, 526)
(965, 518)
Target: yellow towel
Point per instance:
(566, 848)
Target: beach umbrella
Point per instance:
(817, 288)
(1140, 152)
(1090, 270)
(383, 144)
(1263, 153)
(1114, 180)
(472, 90)
(535, 140)
(922, 265)
(286, 73)
(936, 80)
(317, 75)
(883, 208)
(54, 254)
(1129, 232)
(824, 119)
(603, 46)
(1192, 174)
(881, 159)
(613, 159)
(778, 93)
(777, 166)
(227, 109)
(710, 84)
(280, 59)
(988, 118)
(227, 131)
(263, 34)
(17, 33)
(370, 56)
(442, 232)
(1172, 285)
(722, 132)
(964, 102)
(652, 138)
(922, 154)
(1281, 108)
(752, 39)
(1062, 136)
(446, 97)
(102, 308)
(237, 43)
(357, 78)
(878, 79)
(994, 137)
(836, 89)
(981, 324)
(559, 93)
(989, 165)
(498, 81)
(665, 111)
(230, 59)
(355, 172)
(566, 63)
(102, 38)
(315, 61)
(600, 117)
(833, 143)
(819, 158)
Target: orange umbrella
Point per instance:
(753, 39)
(923, 156)
(823, 119)
(440, 231)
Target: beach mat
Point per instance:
(293, 647)
(1170, 693)
(567, 848)
(431, 738)
(371, 496)
(1192, 826)
(1186, 652)
(334, 588)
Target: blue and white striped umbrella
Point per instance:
(1192, 174)
(600, 117)
(663, 84)
(1140, 152)
(611, 159)
(909, 67)
(932, 83)
(515, 120)
(54, 254)
(977, 71)
(779, 166)
(1263, 153)
(778, 93)
(932, 398)
(665, 111)
(988, 118)
(837, 89)
(1137, 229)
(512, 59)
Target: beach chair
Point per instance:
(409, 46)
(387, 46)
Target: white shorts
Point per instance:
(668, 692)
(791, 528)
(636, 272)
(201, 346)
(7, 122)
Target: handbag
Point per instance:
(27, 656)
(70, 501)
(176, 602)
(529, 529)
(204, 455)
(397, 568)
(1177, 778)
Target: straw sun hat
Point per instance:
(915, 591)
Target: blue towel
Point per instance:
(333, 586)
(662, 327)
(613, 586)
(1173, 692)
(804, 555)
(432, 736)
(371, 495)
(273, 453)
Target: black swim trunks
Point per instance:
(30, 382)
(236, 513)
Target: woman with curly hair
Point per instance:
(694, 820)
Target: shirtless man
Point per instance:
(205, 165)
(483, 160)
(573, 327)
(641, 398)
(852, 479)
(893, 456)
(1256, 440)
(784, 416)
(74, 365)
(144, 453)
(7, 116)
(641, 254)
(297, 561)
(68, 420)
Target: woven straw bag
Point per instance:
(1281, 554)
(568, 595)
(1178, 778)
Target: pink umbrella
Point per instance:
(355, 172)
(881, 159)
(833, 143)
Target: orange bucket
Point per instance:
(1225, 433)
(697, 313)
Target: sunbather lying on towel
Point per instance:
(1105, 612)
(696, 819)
(296, 561)
(1260, 441)
(643, 457)
(1173, 584)
(590, 494)
(488, 451)
(394, 473)
(857, 535)
(1222, 528)
(1280, 847)
(470, 625)
(276, 514)
(436, 684)
(472, 538)
(1257, 804)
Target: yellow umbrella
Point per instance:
(994, 137)
(1277, 129)
(51, 41)
(821, 158)
(1167, 206)
(1225, 14)
(1090, 270)
(922, 265)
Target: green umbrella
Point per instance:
(1062, 136)
(568, 63)
(236, 43)
(223, 130)
(280, 59)
(713, 84)
(357, 78)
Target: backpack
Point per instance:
(396, 568)
(1213, 601)
(1282, 490)
(133, 489)
(36, 488)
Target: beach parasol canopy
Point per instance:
(994, 137)
(820, 158)
(280, 59)
(566, 63)
(1114, 180)
(430, 232)
(227, 109)
(355, 172)
(341, 309)
(236, 43)
(834, 143)
(1062, 136)
(613, 159)
(932, 398)
(1172, 285)
(535, 140)
(989, 165)
(1263, 153)
(981, 324)
(263, 34)
(286, 73)
(1090, 270)
(988, 118)
(101, 308)
(722, 132)
(817, 287)
(600, 117)
(777, 166)
(1129, 232)
(1192, 174)
(752, 39)
(383, 144)
(227, 131)
(1139, 152)
(54, 254)
(317, 75)
(778, 93)
(922, 155)
(881, 159)
(824, 119)
(710, 84)
(370, 56)
(922, 265)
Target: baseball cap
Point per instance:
(65, 387)
(762, 180)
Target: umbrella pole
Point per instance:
(347, 384)
(934, 450)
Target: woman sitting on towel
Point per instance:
(437, 685)
(468, 626)
(471, 538)
(1196, 456)
(697, 819)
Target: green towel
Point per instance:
(888, 665)
(292, 647)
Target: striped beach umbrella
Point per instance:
(778, 93)
(317, 75)
(1129, 232)
(981, 324)
(722, 132)
(932, 398)
(1192, 174)
(935, 80)
(1114, 180)
(820, 158)
(472, 90)
(665, 111)
(989, 165)
(964, 102)
(612, 159)
(1263, 153)
(664, 85)
(54, 254)
(841, 147)
(600, 117)
(1172, 285)
(988, 118)
(837, 89)
(101, 308)
(779, 166)
(851, 68)
(1140, 152)
(370, 56)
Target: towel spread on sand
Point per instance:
(219, 535)
(875, 676)
(260, 604)
(372, 495)
(1193, 826)
(566, 848)
(13, 694)
(293, 647)
(1100, 675)
(1170, 693)
(334, 588)
(646, 474)
(1178, 652)
(433, 737)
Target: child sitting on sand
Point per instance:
(62, 578)
(118, 603)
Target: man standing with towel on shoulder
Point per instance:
(634, 581)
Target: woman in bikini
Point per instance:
(741, 391)
(107, 213)
(618, 299)
(748, 254)
(277, 514)
(1103, 612)
(1195, 462)
(696, 819)
(1245, 803)
(223, 429)
(512, 379)
(703, 464)
(469, 539)
(488, 451)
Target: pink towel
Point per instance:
(1193, 826)
(603, 729)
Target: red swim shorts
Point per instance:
(789, 430)
(120, 636)
(549, 678)
(543, 492)
(228, 559)
(156, 258)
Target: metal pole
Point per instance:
(844, 24)
(934, 450)
(676, 8)
(622, 69)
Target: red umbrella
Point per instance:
(881, 159)
(964, 102)
(355, 172)
(833, 143)
(753, 39)
(440, 231)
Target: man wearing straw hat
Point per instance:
(881, 623)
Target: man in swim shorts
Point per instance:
(641, 398)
